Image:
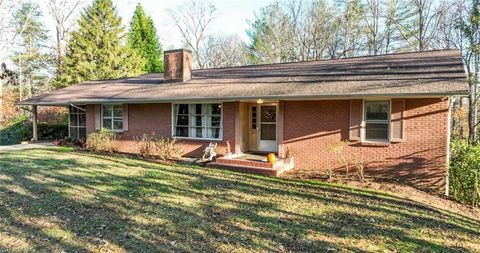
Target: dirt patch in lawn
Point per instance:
(400, 189)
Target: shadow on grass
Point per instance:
(56, 200)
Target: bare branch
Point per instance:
(193, 19)
(62, 11)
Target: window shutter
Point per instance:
(356, 111)
(396, 125)
(98, 116)
(125, 117)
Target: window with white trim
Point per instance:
(377, 120)
(199, 121)
(112, 117)
(77, 122)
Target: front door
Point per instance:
(267, 122)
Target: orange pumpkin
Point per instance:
(271, 158)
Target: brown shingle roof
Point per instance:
(431, 73)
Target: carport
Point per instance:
(76, 118)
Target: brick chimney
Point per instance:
(177, 65)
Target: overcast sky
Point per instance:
(233, 15)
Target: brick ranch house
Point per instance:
(393, 109)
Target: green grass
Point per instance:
(54, 200)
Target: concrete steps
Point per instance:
(255, 167)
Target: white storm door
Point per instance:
(268, 128)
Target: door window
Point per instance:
(268, 119)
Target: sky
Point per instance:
(232, 17)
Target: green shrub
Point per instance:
(16, 131)
(464, 172)
(20, 129)
(103, 140)
(52, 131)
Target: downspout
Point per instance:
(449, 127)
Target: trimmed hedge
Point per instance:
(20, 129)
(52, 131)
(464, 172)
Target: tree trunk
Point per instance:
(59, 47)
(1, 100)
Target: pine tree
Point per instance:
(97, 50)
(417, 24)
(143, 39)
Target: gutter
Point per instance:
(239, 98)
(79, 108)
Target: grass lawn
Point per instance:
(54, 200)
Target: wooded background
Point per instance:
(91, 43)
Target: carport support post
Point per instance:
(34, 121)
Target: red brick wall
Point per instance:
(147, 118)
(177, 65)
(90, 118)
(312, 126)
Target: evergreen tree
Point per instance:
(97, 50)
(143, 39)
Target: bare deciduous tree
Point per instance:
(294, 30)
(418, 24)
(314, 26)
(351, 27)
(6, 25)
(471, 29)
(449, 35)
(390, 29)
(347, 33)
(62, 11)
(272, 35)
(6, 37)
(458, 28)
(225, 51)
(372, 15)
(193, 19)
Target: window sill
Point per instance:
(115, 131)
(375, 143)
(196, 139)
